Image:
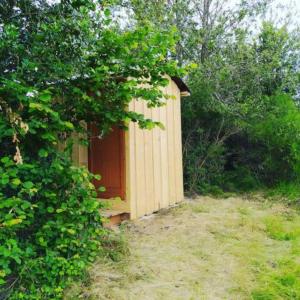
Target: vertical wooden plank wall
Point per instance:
(178, 145)
(155, 178)
(80, 153)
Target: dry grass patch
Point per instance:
(204, 249)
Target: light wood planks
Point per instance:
(154, 177)
(178, 147)
(156, 160)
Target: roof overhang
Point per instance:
(184, 90)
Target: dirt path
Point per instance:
(203, 249)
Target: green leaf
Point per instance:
(71, 231)
(69, 125)
(161, 125)
(34, 105)
(49, 136)
(17, 259)
(50, 209)
(97, 176)
(4, 179)
(5, 159)
(28, 185)
(43, 153)
(107, 12)
(12, 222)
(16, 181)
(2, 274)
(101, 189)
(45, 97)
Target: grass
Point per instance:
(287, 192)
(206, 248)
(281, 278)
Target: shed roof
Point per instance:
(185, 91)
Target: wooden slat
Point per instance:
(149, 174)
(157, 180)
(178, 145)
(75, 150)
(164, 159)
(154, 158)
(131, 166)
(171, 147)
(140, 165)
(83, 155)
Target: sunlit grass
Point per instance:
(205, 249)
(280, 279)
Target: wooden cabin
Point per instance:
(141, 169)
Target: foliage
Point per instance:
(240, 125)
(63, 65)
(247, 114)
(278, 133)
(50, 226)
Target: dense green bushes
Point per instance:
(49, 214)
(241, 125)
(51, 226)
(62, 65)
(276, 142)
(263, 153)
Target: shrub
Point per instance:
(63, 65)
(51, 226)
(278, 134)
(242, 121)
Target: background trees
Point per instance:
(240, 124)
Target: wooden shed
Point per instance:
(141, 169)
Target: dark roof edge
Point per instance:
(181, 85)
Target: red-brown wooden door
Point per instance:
(107, 158)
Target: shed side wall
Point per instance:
(155, 178)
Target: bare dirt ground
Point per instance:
(203, 249)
